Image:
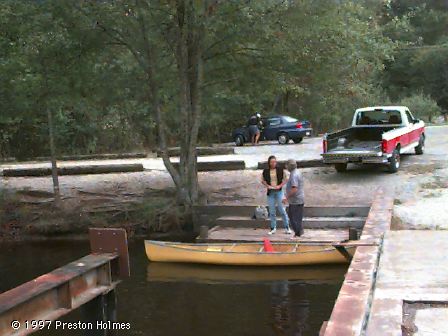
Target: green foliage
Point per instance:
(311, 59)
(422, 106)
(50, 60)
(419, 65)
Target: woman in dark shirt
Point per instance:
(254, 128)
(274, 179)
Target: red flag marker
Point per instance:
(268, 246)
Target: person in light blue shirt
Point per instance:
(295, 197)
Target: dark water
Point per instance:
(166, 300)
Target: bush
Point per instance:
(422, 106)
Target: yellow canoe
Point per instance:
(249, 254)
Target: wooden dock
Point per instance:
(225, 234)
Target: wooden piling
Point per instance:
(352, 233)
(98, 313)
(203, 233)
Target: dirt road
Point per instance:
(421, 186)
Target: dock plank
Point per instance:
(222, 234)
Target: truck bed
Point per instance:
(379, 135)
(364, 145)
(360, 140)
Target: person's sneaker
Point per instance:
(272, 231)
(288, 231)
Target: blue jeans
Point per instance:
(275, 200)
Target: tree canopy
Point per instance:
(129, 75)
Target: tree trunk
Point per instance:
(149, 66)
(286, 103)
(188, 52)
(188, 21)
(277, 101)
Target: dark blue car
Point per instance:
(280, 127)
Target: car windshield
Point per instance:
(379, 117)
(289, 119)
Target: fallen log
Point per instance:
(110, 156)
(202, 151)
(300, 164)
(218, 165)
(7, 159)
(74, 170)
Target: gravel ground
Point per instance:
(309, 149)
(421, 186)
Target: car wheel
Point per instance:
(394, 161)
(421, 146)
(283, 138)
(297, 140)
(340, 167)
(239, 140)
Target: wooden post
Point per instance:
(352, 233)
(100, 312)
(54, 166)
(203, 232)
(111, 310)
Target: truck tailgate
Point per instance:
(354, 152)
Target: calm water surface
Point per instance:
(168, 299)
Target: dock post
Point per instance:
(352, 233)
(203, 232)
(111, 307)
(99, 312)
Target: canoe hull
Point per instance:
(211, 254)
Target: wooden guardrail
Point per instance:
(218, 165)
(74, 170)
(201, 151)
(88, 283)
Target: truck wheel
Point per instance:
(394, 161)
(297, 140)
(421, 146)
(239, 140)
(340, 167)
(283, 138)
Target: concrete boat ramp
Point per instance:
(402, 291)
(411, 287)
(398, 287)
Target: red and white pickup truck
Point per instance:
(378, 134)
